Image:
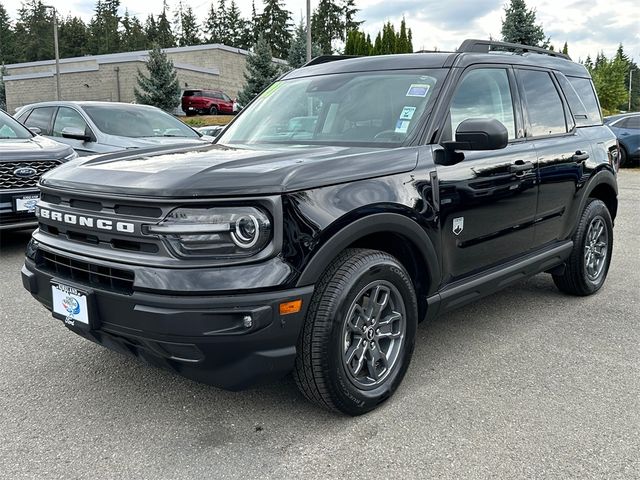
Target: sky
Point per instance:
(589, 26)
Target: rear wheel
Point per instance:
(213, 110)
(587, 267)
(359, 332)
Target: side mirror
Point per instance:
(35, 130)
(75, 133)
(474, 134)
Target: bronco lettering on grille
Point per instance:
(83, 221)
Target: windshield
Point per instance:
(10, 128)
(137, 121)
(338, 109)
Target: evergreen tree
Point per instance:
(104, 36)
(7, 38)
(165, 37)
(160, 88)
(588, 63)
(519, 25)
(298, 50)
(73, 37)
(565, 48)
(151, 30)
(133, 35)
(358, 44)
(34, 32)
(261, 71)
(235, 27)
(349, 12)
(275, 27)
(327, 25)
(212, 25)
(186, 26)
(403, 44)
(3, 93)
(629, 66)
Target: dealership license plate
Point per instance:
(70, 304)
(26, 203)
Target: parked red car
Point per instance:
(212, 102)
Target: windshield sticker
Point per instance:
(407, 113)
(402, 126)
(269, 91)
(418, 90)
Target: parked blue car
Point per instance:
(626, 127)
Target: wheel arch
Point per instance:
(393, 233)
(604, 187)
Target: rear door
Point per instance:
(562, 151)
(487, 201)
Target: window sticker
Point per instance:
(418, 90)
(402, 126)
(269, 91)
(407, 113)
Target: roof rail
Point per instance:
(327, 59)
(484, 46)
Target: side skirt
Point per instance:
(486, 283)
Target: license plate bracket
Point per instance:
(25, 203)
(73, 305)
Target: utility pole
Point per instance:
(56, 50)
(308, 30)
(630, 79)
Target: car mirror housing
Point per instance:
(35, 130)
(75, 133)
(474, 134)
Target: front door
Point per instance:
(487, 201)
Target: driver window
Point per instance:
(483, 92)
(68, 117)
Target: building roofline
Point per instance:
(114, 57)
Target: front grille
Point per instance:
(8, 181)
(98, 276)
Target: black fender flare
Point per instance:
(374, 223)
(603, 176)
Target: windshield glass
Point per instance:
(338, 109)
(137, 121)
(10, 128)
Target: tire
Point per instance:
(190, 113)
(624, 158)
(213, 110)
(327, 339)
(584, 274)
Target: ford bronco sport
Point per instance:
(351, 199)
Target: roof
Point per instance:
(439, 60)
(82, 103)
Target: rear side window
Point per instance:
(578, 109)
(584, 89)
(630, 123)
(191, 93)
(544, 105)
(40, 118)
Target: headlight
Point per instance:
(220, 232)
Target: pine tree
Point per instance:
(34, 32)
(235, 27)
(160, 88)
(275, 27)
(133, 35)
(629, 65)
(261, 71)
(519, 25)
(151, 30)
(7, 38)
(212, 25)
(73, 37)
(298, 50)
(327, 25)
(608, 78)
(104, 36)
(165, 37)
(565, 49)
(185, 26)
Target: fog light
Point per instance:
(247, 321)
(288, 308)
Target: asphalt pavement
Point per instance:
(528, 383)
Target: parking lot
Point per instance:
(527, 383)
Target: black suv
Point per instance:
(353, 198)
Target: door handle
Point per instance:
(579, 156)
(520, 167)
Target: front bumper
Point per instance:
(202, 337)
(10, 219)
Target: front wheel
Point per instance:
(358, 336)
(213, 110)
(587, 267)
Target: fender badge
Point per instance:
(458, 225)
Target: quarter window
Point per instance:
(68, 117)
(40, 118)
(584, 88)
(483, 93)
(544, 106)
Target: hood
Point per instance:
(146, 142)
(36, 148)
(217, 170)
